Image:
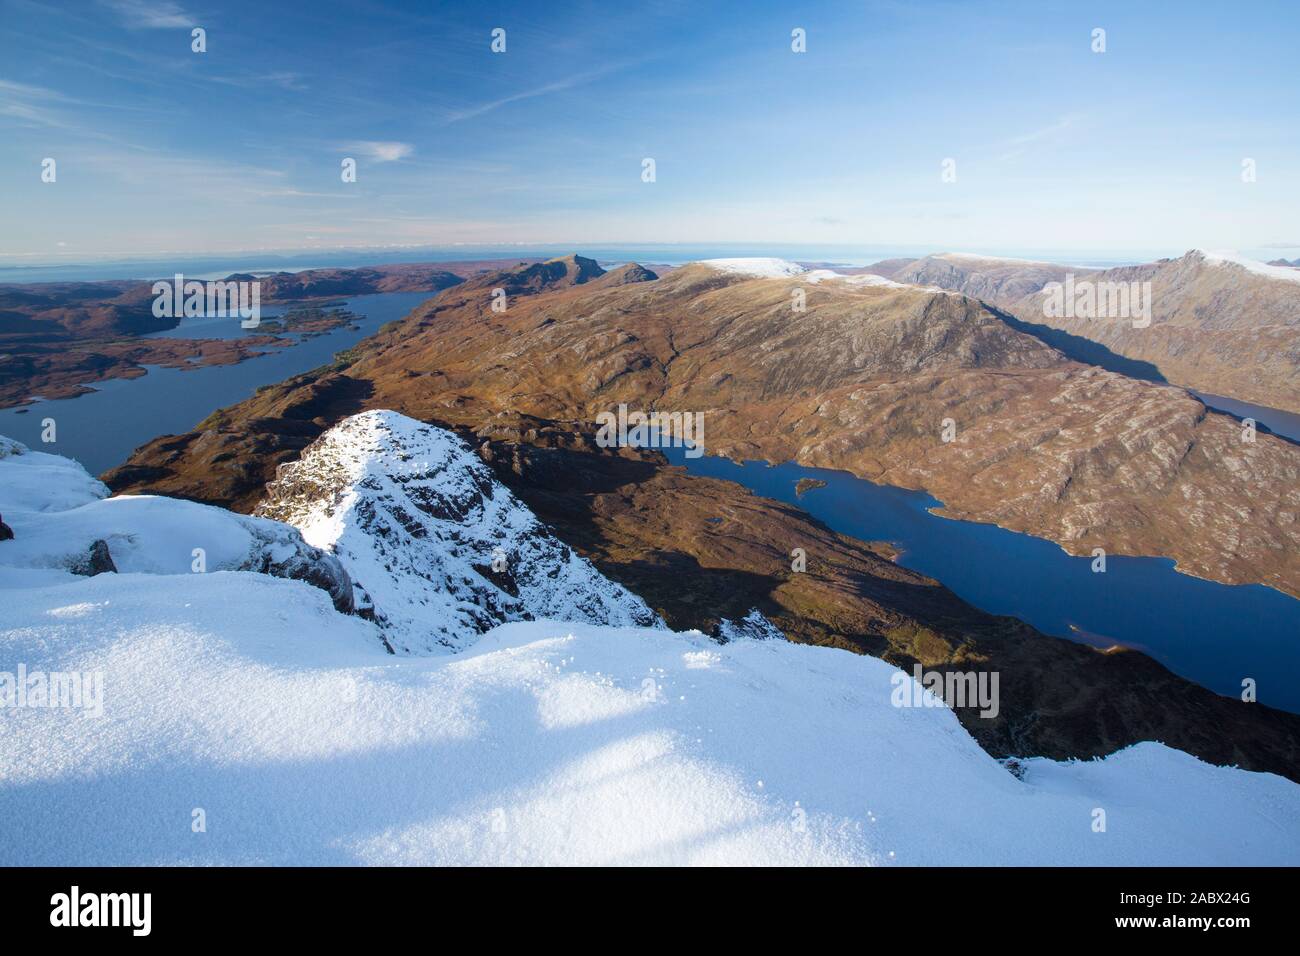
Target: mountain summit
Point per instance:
(444, 551)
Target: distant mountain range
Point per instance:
(1219, 324)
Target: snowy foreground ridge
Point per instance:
(247, 720)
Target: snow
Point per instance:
(418, 521)
(250, 698)
(36, 481)
(57, 512)
(248, 703)
(783, 269)
(754, 626)
(145, 534)
(757, 267)
(1282, 273)
(867, 280)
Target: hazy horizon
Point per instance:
(199, 265)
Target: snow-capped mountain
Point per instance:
(443, 550)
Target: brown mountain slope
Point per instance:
(1216, 325)
(863, 380)
(1000, 282)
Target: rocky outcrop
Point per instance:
(754, 626)
(443, 551)
(97, 560)
(284, 555)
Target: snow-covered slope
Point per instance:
(442, 548)
(247, 707)
(34, 481)
(64, 524)
(758, 267)
(239, 718)
(1227, 258)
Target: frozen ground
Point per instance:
(247, 702)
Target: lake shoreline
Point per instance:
(1193, 625)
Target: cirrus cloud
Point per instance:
(379, 151)
(150, 14)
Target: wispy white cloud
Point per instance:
(1017, 145)
(38, 106)
(150, 14)
(35, 106)
(290, 192)
(10, 88)
(284, 80)
(379, 151)
(181, 178)
(557, 86)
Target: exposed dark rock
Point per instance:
(97, 560)
(311, 566)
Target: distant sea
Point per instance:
(219, 266)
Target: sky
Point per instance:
(160, 150)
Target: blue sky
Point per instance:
(161, 150)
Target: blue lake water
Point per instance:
(101, 429)
(1285, 424)
(1211, 633)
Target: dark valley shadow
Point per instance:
(1079, 349)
